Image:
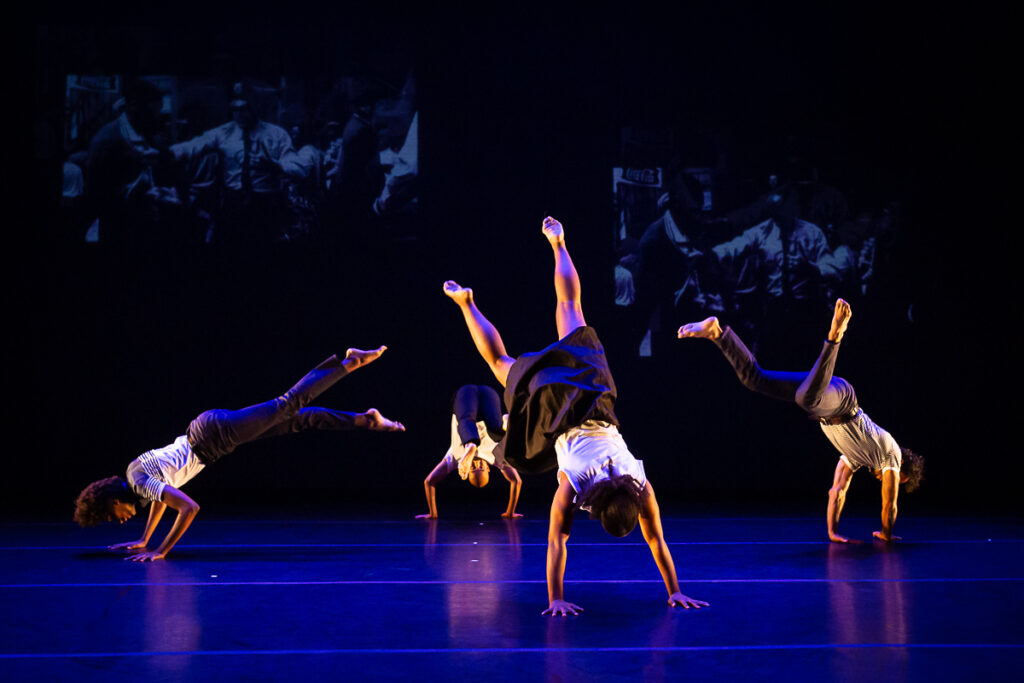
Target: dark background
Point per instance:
(520, 118)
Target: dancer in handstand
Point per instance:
(561, 414)
(477, 427)
(832, 402)
(156, 477)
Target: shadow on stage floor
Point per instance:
(273, 598)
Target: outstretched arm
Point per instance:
(650, 525)
(558, 533)
(515, 485)
(890, 489)
(836, 500)
(485, 335)
(156, 511)
(436, 476)
(187, 510)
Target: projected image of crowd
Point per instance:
(688, 244)
(164, 160)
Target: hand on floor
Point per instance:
(130, 545)
(683, 601)
(561, 608)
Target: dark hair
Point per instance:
(140, 93)
(912, 466)
(95, 502)
(616, 502)
(479, 477)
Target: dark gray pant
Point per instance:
(817, 391)
(216, 433)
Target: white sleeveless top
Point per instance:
(593, 452)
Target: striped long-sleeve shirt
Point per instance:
(172, 465)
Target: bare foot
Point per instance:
(457, 293)
(376, 422)
(426, 516)
(840, 319)
(554, 231)
(705, 329)
(357, 358)
(466, 464)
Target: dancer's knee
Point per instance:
(466, 396)
(290, 403)
(807, 399)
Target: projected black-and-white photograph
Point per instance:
(175, 160)
(719, 239)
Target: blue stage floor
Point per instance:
(336, 599)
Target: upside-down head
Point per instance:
(479, 473)
(911, 467)
(105, 500)
(616, 502)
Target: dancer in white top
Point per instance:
(155, 477)
(561, 415)
(477, 426)
(832, 402)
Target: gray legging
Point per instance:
(817, 391)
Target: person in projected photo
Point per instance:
(561, 414)
(796, 192)
(398, 195)
(477, 427)
(671, 270)
(833, 403)
(304, 194)
(776, 260)
(256, 160)
(155, 478)
(862, 252)
(352, 165)
(121, 189)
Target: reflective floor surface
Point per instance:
(342, 599)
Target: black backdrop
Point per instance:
(520, 117)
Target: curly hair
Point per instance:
(94, 503)
(616, 502)
(912, 465)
